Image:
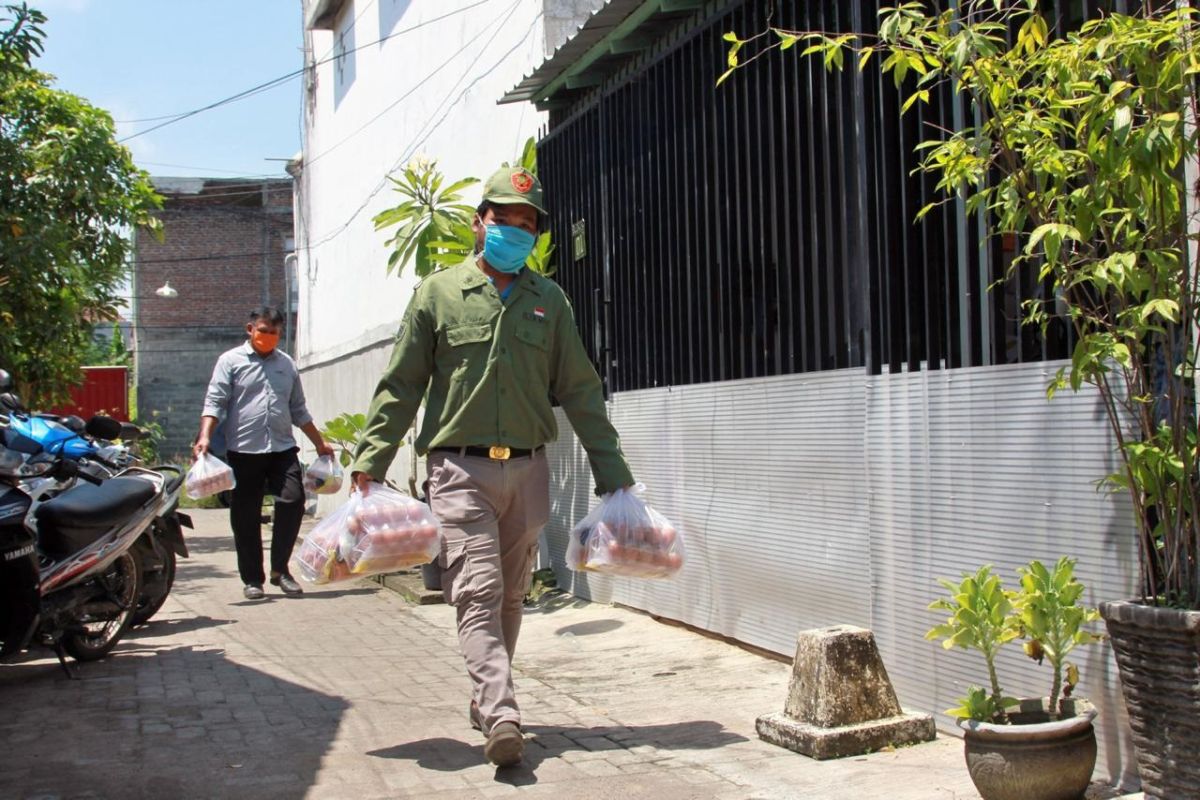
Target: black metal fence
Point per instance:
(765, 227)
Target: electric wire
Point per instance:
(282, 79)
(511, 10)
(411, 147)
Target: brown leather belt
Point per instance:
(496, 452)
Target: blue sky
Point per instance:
(149, 58)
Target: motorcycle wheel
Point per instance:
(100, 634)
(153, 597)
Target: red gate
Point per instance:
(105, 390)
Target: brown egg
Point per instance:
(667, 536)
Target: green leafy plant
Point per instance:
(69, 197)
(434, 225)
(1051, 619)
(985, 616)
(108, 351)
(149, 443)
(981, 618)
(1075, 145)
(343, 433)
(542, 583)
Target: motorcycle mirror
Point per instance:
(74, 423)
(102, 427)
(130, 432)
(6, 381)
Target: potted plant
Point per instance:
(1041, 748)
(1082, 146)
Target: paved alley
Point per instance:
(352, 693)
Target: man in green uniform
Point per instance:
(491, 341)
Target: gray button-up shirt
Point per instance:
(258, 399)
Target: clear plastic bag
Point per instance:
(208, 476)
(316, 559)
(624, 536)
(323, 476)
(383, 532)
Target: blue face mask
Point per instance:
(506, 247)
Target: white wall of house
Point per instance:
(427, 92)
(840, 497)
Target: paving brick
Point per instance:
(351, 693)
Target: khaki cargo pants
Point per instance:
(491, 513)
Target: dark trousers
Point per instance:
(257, 474)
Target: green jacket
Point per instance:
(490, 369)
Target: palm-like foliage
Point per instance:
(434, 225)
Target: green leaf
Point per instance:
(1122, 123)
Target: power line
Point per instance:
(419, 84)
(216, 257)
(202, 196)
(235, 173)
(172, 119)
(416, 142)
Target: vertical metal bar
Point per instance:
(785, 254)
(685, 208)
(773, 220)
(720, 152)
(705, 201)
(857, 222)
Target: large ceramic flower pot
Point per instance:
(1158, 654)
(1033, 758)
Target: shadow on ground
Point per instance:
(555, 601)
(170, 627)
(547, 742)
(589, 628)
(155, 722)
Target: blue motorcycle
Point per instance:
(74, 533)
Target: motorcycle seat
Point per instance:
(84, 513)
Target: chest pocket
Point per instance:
(534, 335)
(468, 334)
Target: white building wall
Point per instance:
(839, 498)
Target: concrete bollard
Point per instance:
(840, 700)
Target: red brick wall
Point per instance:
(217, 247)
(215, 254)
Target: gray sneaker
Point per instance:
(252, 591)
(505, 744)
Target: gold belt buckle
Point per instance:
(499, 452)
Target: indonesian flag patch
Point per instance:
(539, 312)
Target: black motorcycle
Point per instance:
(71, 566)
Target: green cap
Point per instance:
(514, 185)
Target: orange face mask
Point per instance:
(263, 343)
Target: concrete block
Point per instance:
(848, 740)
(840, 700)
(838, 678)
(411, 587)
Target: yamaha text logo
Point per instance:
(13, 555)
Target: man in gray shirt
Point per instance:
(256, 396)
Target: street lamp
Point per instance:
(166, 290)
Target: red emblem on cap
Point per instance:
(522, 182)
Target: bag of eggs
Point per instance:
(323, 476)
(384, 531)
(208, 476)
(316, 559)
(391, 531)
(624, 536)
